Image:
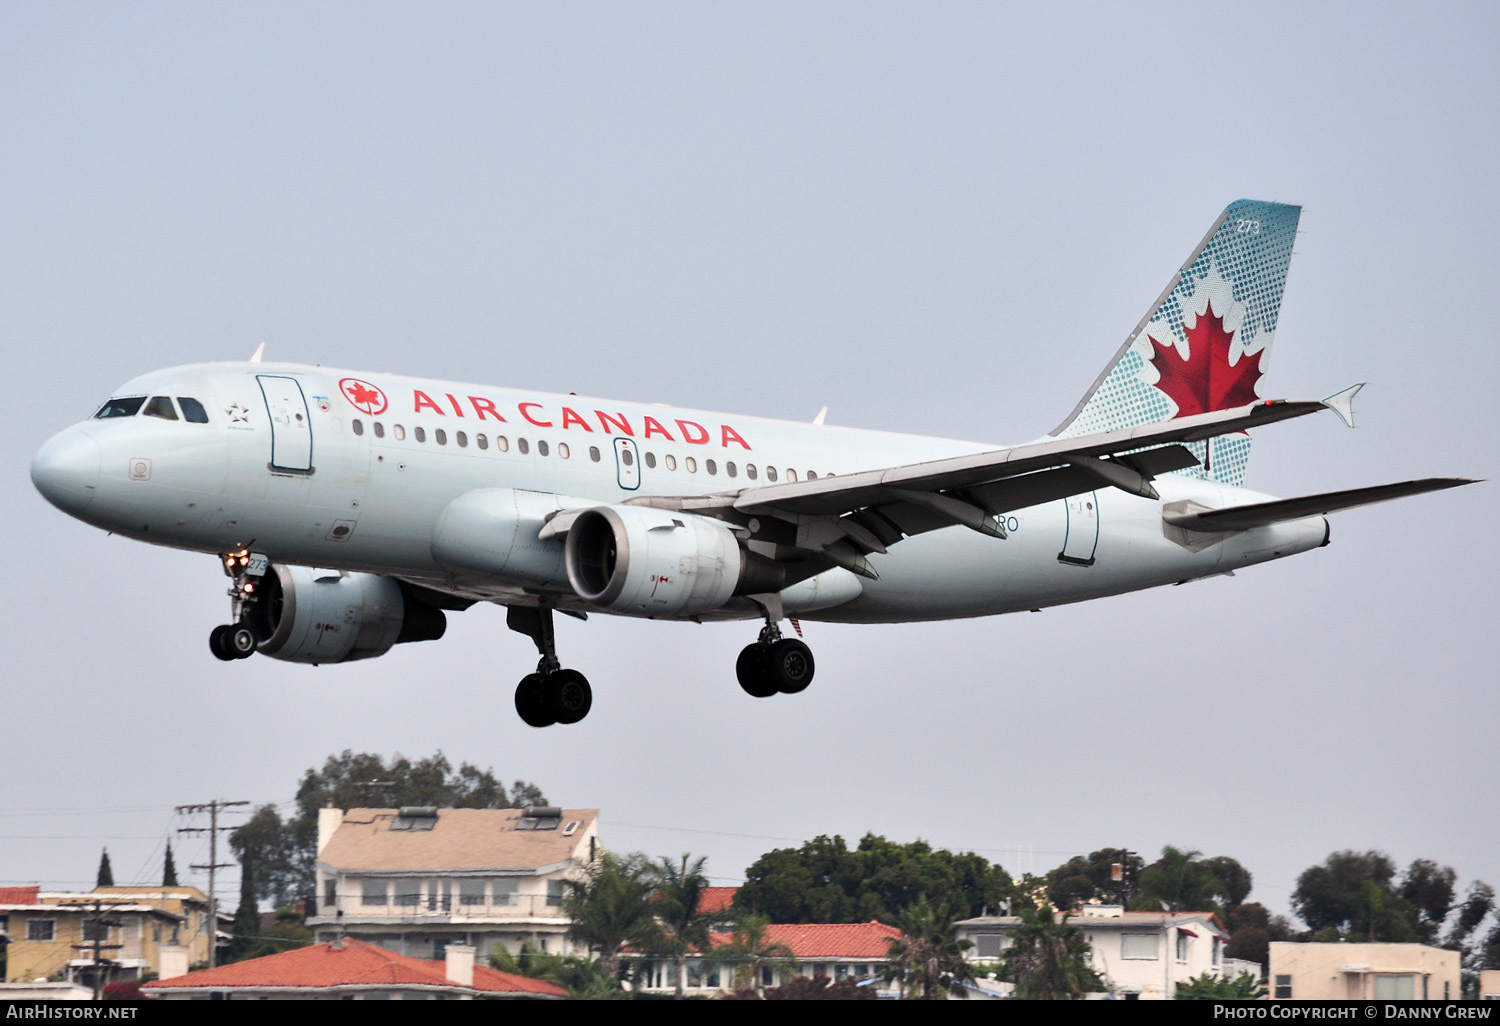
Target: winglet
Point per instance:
(1342, 403)
(818, 420)
(260, 351)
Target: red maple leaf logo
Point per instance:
(363, 395)
(1205, 381)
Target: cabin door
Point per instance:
(291, 426)
(1083, 530)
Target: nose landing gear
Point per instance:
(552, 694)
(237, 640)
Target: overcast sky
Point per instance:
(937, 218)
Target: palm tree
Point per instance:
(1048, 957)
(928, 958)
(750, 953)
(680, 928)
(610, 907)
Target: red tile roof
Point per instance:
(829, 940)
(714, 900)
(19, 895)
(353, 964)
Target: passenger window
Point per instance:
(192, 410)
(522, 446)
(563, 452)
(770, 473)
(440, 436)
(502, 443)
(651, 460)
(379, 430)
(710, 466)
(791, 475)
(482, 441)
(671, 462)
(750, 471)
(627, 458)
(541, 448)
(729, 468)
(812, 475)
(594, 453)
(160, 406)
(690, 464)
(358, 425)
(120, 408)
(462, 439)
(398, 432)
(419, 433)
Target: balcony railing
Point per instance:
(520, 906)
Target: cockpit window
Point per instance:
(160, 406)
(192, 410)
(120, 407)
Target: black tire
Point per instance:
(789, 666)
(218, 643)
(241, 641)
(750, 668)
(531, 702)
(570, 696)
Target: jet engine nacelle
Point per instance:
(653, 562)
(305, 615)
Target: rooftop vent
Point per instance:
(540, 817)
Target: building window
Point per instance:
(372, 892)
(1395, 988)
(1283, 985)
(1218, 951)
(330, 892)
(1138, 945)
(471, 892)
(41, 929)
(1182, 946)
(504, 892)
(554, 893)
(408, 893)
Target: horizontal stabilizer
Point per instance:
(1244, 518)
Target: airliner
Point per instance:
(353, 510)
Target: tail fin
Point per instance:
(1204, 344)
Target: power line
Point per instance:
(212, 830)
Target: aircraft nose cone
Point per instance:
(66, 470)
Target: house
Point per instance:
(54, 933)
(353, 970)
(416, 880)
(836, 950)
(1137, 954)
(1489, 984)
(1362, 972)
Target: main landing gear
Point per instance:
(774, 664)
(551, 694)
(236, 640)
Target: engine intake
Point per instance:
(305, 615)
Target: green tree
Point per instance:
(825, 882)
(286, 850)
(1184, 881)
(677, 891)
(928, 958)
(1081, 880)
(1209, 987)
(1048, 957)
(582, 978)
(169, 869)
(106, 877)
(609, 905)
(749, 952)
(247, 916)
(1252, 928)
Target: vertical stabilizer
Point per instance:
(1205, 344)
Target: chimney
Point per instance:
(328, 821)
(459, 964)
(174, 961)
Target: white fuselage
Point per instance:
(354, 489)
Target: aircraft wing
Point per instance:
(844, 518)
(1259, 514)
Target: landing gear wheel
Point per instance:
(569, 695)
(789, 666)
(241, 641)
(218, 642)
(750, 668)
(531, 702)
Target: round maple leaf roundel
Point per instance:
(363, 396)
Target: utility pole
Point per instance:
(97, 945)
(212, 830)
